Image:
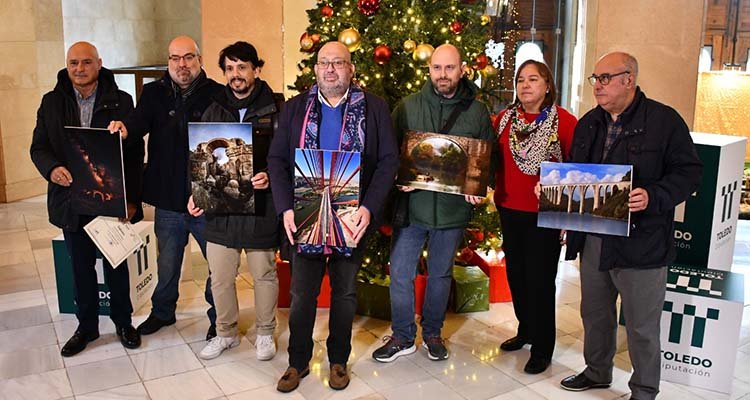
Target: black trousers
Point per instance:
(307, 275)
(83, 257)
(531, 256)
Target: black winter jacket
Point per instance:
(259, 231)
(656, 141)
(164, 116)
(59, 108)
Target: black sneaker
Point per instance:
(579, 383)
(435, 347)
(393, 349)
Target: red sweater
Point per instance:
(513, 188)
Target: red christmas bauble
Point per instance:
(315, 38)
(481, 62)
(326, 11)
(386, 230)
(456, 27)
(368, 7)
(382, 54)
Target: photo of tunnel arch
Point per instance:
(585, 197)
(221, 167)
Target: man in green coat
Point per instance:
(446, 104)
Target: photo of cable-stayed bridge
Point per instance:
(326, 195)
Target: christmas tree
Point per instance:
(391, 42)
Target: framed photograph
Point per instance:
(221, 167)
(95, 161)
(585, 197)
(445, 163)
(326, 195)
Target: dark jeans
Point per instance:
(83, 257)
(307, 275)
(172, 230)
(532, 255)
(407, 247)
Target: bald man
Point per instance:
(164, 110)
(334, 114)
(445, 104)
(626, 127)
(86, 95)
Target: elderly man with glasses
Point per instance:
(628, 128)
(335, 114)
(163, 111)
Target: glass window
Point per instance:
(704, 62)
(528, 51)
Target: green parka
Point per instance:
(428, 111)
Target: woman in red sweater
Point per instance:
(533, 129)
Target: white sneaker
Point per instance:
(265, 347)
(218, 344)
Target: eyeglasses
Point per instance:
(187, 57)
(604, 78)
(338, 64)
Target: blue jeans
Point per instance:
(172, 229)
(407, 247)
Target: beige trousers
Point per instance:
(224, 264)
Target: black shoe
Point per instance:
(77, 343)
(393, 349)
(579, 383)
(129, 337)
(536, 365)
(153, 324)
(211, 332)
(435, 346)
(513, 344)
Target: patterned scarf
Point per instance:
(532, 143)
(351, 138)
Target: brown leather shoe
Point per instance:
(339, 379)
(290, 380)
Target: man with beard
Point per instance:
(164, 110)
(446, 104)
(334, 114)
(86, 95)
(246, 98)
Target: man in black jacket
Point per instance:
(334, 114)
(164, 110)
(629, 128)
(246, 98)
(86, 95)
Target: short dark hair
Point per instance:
(546, 74)
(242, 51)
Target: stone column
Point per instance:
(31, 47)
(665, 36)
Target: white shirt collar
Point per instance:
(323, 100)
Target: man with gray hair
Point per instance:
(164, 110)
(628, 128)
(86, 95)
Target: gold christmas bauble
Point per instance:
(409, 46)
(486, 19)
(423, 52)
(351, 39)
(489, 70)
(306, 71)
(468, 72)
(306, 43)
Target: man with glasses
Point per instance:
(446, 104)
(163, 111)
(628, 128)
(334, 114)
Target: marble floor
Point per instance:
(166, 366)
